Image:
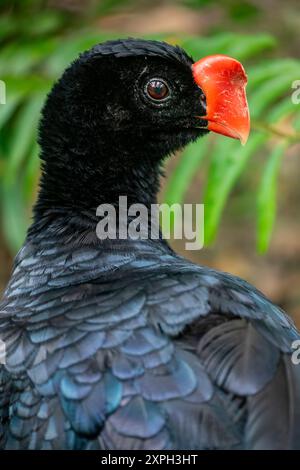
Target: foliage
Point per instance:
(34, 54)
(269, 93)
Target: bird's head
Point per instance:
(147, 93)
(127, 102)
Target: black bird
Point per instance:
(122, 344)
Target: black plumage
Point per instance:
(122, 344)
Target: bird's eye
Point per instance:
(157, 89)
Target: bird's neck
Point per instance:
(79, 182)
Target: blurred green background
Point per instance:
(251, 194)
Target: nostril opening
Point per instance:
(203, 101)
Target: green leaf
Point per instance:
(238, 45)
(297, 120)
(31, 174)
(268, 69)
(48, 22)
(249, 46)
(73, 46)
(28, 87)
(270, 91)
(281, 110)
(226, 166)
(7, 27)
(185, 170)
(200, 47)
(7, 110)
(267, 198)
(18, 59)
(24, 135)
(227, 162)
(14, 216)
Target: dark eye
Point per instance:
(157, 89)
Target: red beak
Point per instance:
(223, 81)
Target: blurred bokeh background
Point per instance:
(251, 194)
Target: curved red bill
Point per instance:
(223, 81)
